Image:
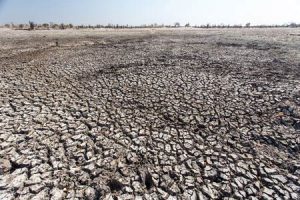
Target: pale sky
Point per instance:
(137, 12)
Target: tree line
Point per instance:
(47, 26)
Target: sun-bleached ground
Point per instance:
(150, 113)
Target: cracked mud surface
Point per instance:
(150, 114)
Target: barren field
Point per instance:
(150, 114)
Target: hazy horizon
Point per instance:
(138, 12)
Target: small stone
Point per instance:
(174, 189)
(297, 125)
(7, 195)
(172, 198)
(270, 170)
(295, 195)
(238, 195)
(253, 198)
(18, 181)
(36, 188)
(41, 195)
(90, 193)
(163, 194)
(5, 166)
(206, 189)
(280, 178)
(226, 189)
(137, 187)
(57, 194)
(138, 197)
(267, 181)
(128, 189)
(210, 172)
(268, 191)
(201, 196)
(224, 177)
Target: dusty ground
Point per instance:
(152, 114)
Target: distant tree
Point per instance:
(21, 26)
(177, 24)
(248, 25)
(45, 25)
(31, 25)
(221, 25)
(293, 25)
(71, 26)
(187, 25)
(62, 26)
(54, 26)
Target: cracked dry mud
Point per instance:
(150, 114)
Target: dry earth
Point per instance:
(150, 114)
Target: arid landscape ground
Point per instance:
(150, 114)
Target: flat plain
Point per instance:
(150, 114)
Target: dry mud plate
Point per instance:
(150, 114)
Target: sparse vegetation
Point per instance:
(62, 26)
